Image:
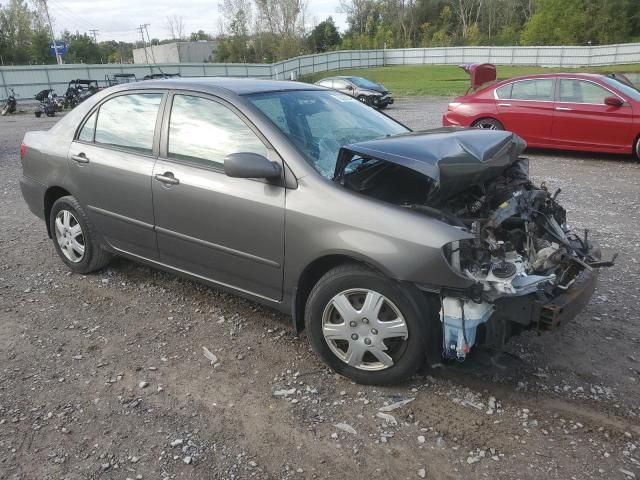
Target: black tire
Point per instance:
(5, 110)
(408, 354)
(38, 114)
(94, 257)
(488, 123)
(364, 99)
(636, 150)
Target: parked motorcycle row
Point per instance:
(50, 102)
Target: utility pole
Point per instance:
(95, 35)
(53, 38)
(142, 28)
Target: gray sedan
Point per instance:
(389, 247)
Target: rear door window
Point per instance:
(129, 121)
(538, 90)
(204, 132)
(581, 91)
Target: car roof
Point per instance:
(239, 86)
(585, 76)
(341, 77)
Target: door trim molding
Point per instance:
(221, 248)
(123, 218)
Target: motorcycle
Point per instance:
(47, 105)
(9, 104)
(58, 102)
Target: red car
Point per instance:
(570, 111)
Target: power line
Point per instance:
(53, 38)
(73, 14)
(141, 29)
(152, 54)
(95, 35)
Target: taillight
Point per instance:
(23, 151)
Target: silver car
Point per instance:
(391, 248)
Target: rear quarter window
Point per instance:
(504, 91)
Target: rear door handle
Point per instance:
(504, 104)
(564, 109)
(167, 178)
(80, 158)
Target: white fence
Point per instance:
(28, 80)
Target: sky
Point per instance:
(119, 19)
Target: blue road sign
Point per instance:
(62, 48)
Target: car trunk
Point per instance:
(480, 74)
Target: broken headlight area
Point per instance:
(527, 266)
(523, 252)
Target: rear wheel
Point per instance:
(365, 327)
(74, 238)
(637, 149)
(488, 124)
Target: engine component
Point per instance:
(504, 270)
(460, 320)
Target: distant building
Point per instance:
(178, 52)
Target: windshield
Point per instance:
(628, 90)
(363, 82)
(319, 123)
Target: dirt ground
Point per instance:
(103, 376)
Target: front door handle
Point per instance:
(80, 158)
(564, 109)
(167, 178)
(504, 104)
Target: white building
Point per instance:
(178, 52)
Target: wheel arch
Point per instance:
(50, 196)
(310, 276)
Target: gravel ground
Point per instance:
(103, 376)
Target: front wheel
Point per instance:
(488, 124)
(365, 326)
(364, 99)
(637, 149)
(5, 110)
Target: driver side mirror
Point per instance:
(250, 165)
(613, 102)
(349, 87)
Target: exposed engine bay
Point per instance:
(523, 254)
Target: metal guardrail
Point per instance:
(28, 80)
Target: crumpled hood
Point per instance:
(378, 88)
(454, 159)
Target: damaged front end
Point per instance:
(529, 269)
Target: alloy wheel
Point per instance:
(70, 236)
(364, 329)
(487, 125)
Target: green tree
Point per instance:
(324, 36)
(557, 22)
(81, 48)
